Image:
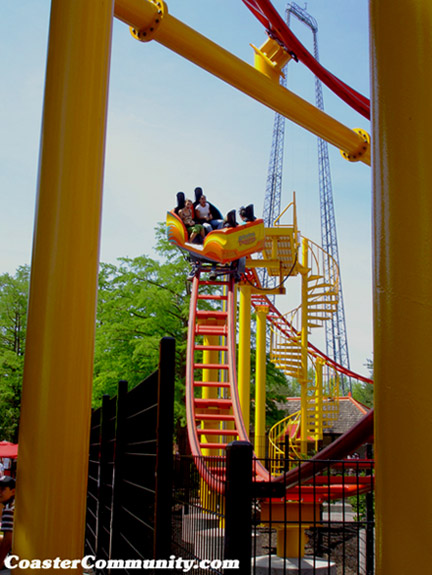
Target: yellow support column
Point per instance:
(56, 399)
(304, 349)
(260, 382)
(402, 176)
(319, 406)
(244, 352)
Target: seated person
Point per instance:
(186, 215)
(238, 267)
(216, 221)
(204, 216)
(180, 202)
(247, 214)
(7, 498)
(230, 220)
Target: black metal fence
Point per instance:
(329, 533)
(145, 505)
(130, 470)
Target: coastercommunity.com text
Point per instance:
(90, 562)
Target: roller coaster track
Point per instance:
(283, 325)
(213, 410)
(215, 418)
(265, 12)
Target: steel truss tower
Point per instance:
(336, 335)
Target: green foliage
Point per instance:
(364, 392)
(13, 324)
(359, 505)
(140, 301)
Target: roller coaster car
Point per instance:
(220, 246)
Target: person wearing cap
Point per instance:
(7, 498)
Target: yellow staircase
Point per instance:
(289, 352)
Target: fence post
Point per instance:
(104, 502)
(120, 440)
(370, 520)
(238, 505)
(164, 449)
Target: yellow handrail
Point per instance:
(276, 452)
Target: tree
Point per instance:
(140, 301)
(364, 392)
(13, 324)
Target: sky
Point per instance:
(172, 127)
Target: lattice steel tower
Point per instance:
(336, 336)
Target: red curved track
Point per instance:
(218, 418)
(277, 28)
(214, 418)
(280, 322)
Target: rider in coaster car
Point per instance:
(216, 221)
(247, 214)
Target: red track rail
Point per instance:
(265, 12)
(223, 407)
(280, 322)
(202, 413)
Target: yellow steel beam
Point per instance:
(264, 263)
(260, 382)
(402, 197)
(304, 348)
(58, 370)
(151, 20)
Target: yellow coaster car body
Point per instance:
(221, 246)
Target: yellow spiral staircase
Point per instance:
(289, 352)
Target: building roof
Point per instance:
(350, 412)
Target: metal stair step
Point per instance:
(213, 445)
(211, 347)
(212, 384)
(217, 432)
(211, 366)
(213, 402)
(214, 417)
(211, 314)
(201, 329)
(212, 297)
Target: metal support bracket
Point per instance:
(149, 32)
(362, 150)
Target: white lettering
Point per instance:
(231, 564)
(132, 564)
(115, 564)
(8, 561)
(85, 562)
(90, 562)
(188, 564)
